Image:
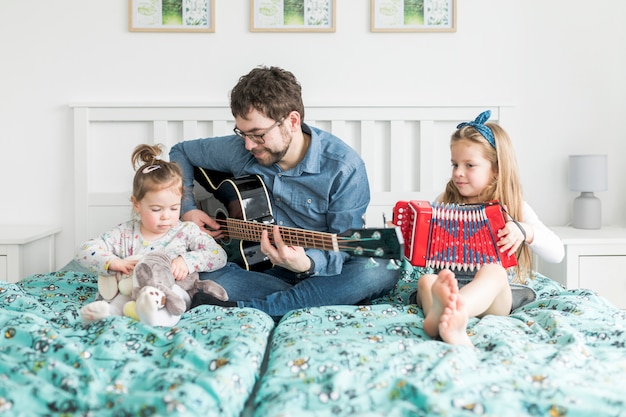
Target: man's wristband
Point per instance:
(309, 272)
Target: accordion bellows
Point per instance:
(453, 236)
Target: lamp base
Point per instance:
(587, 211)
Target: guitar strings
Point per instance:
(251, 231)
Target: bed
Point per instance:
(561, 355)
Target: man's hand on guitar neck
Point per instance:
(292, 258)
(206, 223)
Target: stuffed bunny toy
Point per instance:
(155, 288)
(156, 297)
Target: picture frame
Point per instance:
(171, 15)
(413, 16)
(292, 15)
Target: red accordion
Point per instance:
(453, 236)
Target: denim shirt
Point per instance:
(328, 191)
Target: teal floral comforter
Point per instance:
(52, 365)
(562, 355)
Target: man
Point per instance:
(315, 182)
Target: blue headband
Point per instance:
(479, 125)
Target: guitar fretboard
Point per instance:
(251, 231)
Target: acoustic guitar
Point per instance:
(243, 209)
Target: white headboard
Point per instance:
(405, 149)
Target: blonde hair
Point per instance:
(153, 174)
(506, 187)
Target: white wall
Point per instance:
(560, 62)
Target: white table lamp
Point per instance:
(587, 174)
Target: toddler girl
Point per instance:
(156, 201)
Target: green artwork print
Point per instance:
(413, 15)
(171, 15)
(172, 12)
(414, 12)
(293, 13)
(148, 13)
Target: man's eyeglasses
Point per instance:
(257, 138)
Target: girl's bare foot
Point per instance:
(444, 291)
(453, 324)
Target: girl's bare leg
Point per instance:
(424, 287)
(488, 293)
(447, 309)
(442, 291)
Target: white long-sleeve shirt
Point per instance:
(546, 244)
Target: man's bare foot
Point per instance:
(444, 291)
(453, 324)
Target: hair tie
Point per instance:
(150, 168)
(479, 125)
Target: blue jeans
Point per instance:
(276, 291)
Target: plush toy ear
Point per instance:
(125, 286)
(107, 286)
(143, 272)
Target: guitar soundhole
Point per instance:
(221, 215)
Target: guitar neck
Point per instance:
(251, 231)
(246, 197)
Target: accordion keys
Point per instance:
(453, 236)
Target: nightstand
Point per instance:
(594, 259)
(26, 250)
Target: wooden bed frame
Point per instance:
(405, 149)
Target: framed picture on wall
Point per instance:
(171, 15)
(292, 15)
(413, 15)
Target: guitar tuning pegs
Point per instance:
(371, 263)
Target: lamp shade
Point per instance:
(588, 173)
